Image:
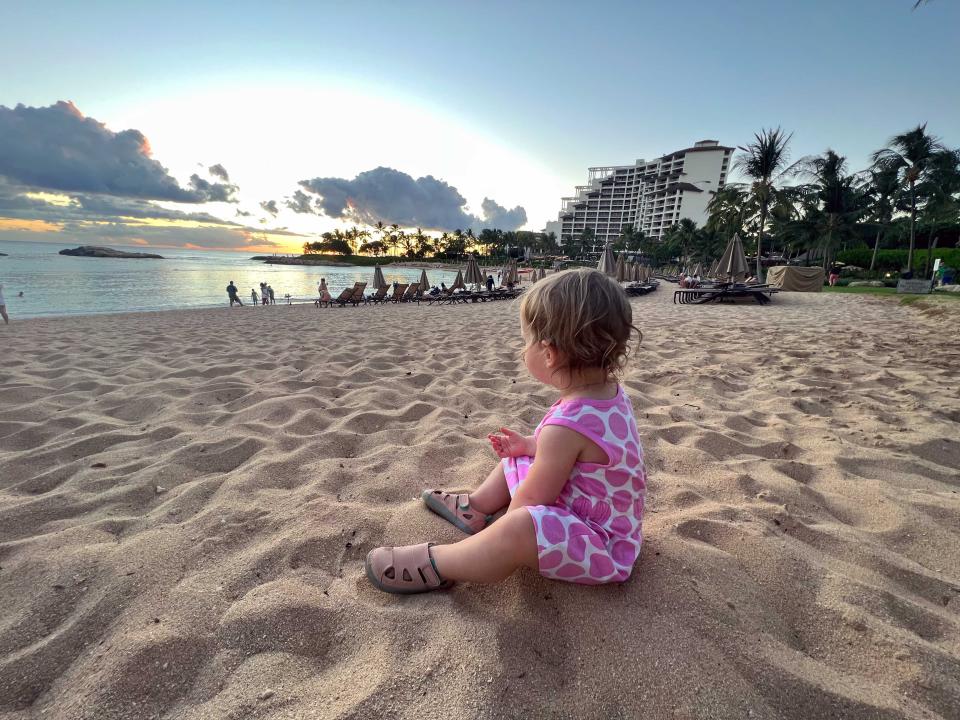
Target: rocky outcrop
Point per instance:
(104, 252)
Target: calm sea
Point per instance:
(54, 284)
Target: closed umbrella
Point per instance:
(473, 275)
(697, 270)
(607, 264)
(543, 274)
(635, 272)
(378, 281)
(733, 262)
(424, 283)
(622, 268)
(458, 283)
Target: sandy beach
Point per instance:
(186, 499)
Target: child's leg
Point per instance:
(492, 554)
(492, 495)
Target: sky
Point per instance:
(257, 126)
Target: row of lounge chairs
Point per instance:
(641, 288)
(411, 293)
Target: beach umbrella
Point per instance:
(473, 276)
(458, 283)
(733, 262)
(697, 270)
(424, 283)
(378, 281)
(543, 274)
(713, 269)
(635, 272)
(608, 263)
(621, 268)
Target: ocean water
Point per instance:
(54, 284)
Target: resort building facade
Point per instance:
(650, 195)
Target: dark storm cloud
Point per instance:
(300, 202)
(58, 148)
(395, 197)
(219, 171)
(270, 206)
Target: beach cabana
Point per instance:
(378, 281)
(473, 274)
(608, 263)
(424, 283)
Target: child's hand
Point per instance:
(508, 444)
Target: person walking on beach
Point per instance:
(254, 298)
(573, 492)
(3, 307)
(489, 283)
(272, 299)
(232, 294)
(264, 295)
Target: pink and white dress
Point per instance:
(592, 533)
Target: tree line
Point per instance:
(383, 240)
(818, 206)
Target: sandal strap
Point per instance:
(412, 558)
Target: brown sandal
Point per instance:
(404, 570)
(456, 510)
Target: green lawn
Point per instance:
(905, 299)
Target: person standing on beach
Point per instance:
(254, 298)
(323, 291)
(573, 492)
(3, 307)
(272, 299)
(232, 294)
(489, 283)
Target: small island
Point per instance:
(105, 252)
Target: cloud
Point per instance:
(214, 192)
(270, 206)
(219, 171)
(499, 217)
(300, 202)
(58, 148)
(395, 197)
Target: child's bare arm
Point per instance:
(557, 451)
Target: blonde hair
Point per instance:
(585, 315)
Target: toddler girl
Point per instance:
(574, 490)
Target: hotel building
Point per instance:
(650, 195)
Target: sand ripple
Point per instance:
(186, 501)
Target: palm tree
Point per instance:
(836, 205)
(881, 194)
(728, 210)
(910, 154)
(764, 161)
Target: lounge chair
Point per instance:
(354, 298)
(412, 294)
(397, 293)
(341, 298)
(380, 295)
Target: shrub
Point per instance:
(896, 260)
